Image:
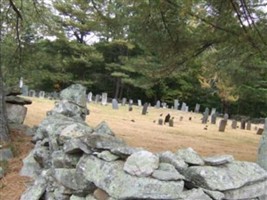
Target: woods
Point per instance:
(206, 51)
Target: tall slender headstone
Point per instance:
(41, 94)
(124, 100)
(89, 96)
(139, 102)
(262, 150)
(25, 90)
(234, 124)
(186, 108)
(176, 104)
(197, 108)
(243, 124)
(157, 104)
(249, 125)
(213, 118)
(205, 116)
(97, 98)
(183, 106)
(20, 82)
(213, 110)
(164, 105)
(104, 99)
(130, 105)
(144, 110)
(115, 104)
(222, 125)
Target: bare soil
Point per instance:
(139, 131)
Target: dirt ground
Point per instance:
(140, 131)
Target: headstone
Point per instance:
(249, 125)
(130, 105)
(144, 111)
(205, 116)
(213, 110)
(213, 118)
(260, 131)
(160, 121)
(164, 105)
(55, 95)
(104, 99)
(197, 108)
(25, 90)
(181, 118)
(186, 108)
(89, 96)
(243, 124)
(158, 104)
(176, 104)
(167, 118)
(20, 82)
(222, 125)
(115, 105)
(183, 106)
(32, 93)
(262, 150)
(171, 122)
(139, 102)
(234, 124)
(97, 98)
(41, 94)
(130, 102)
(124, 100)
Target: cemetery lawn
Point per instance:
(139, 131)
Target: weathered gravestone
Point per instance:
(157, 104)
(164, 105)
(183, 108)
(222, 125)
(41, 94)
(234, 124)
(205, 116)
(226, 117)
(171, 122)
(97, 98)
(186, 108)
(32, 93)
(115, 104)
(160, 121)
(260, 131)
(243, 124)
(89, 96)
(249, 125)
(197, 108)
(262, 150)
(176, 104)
(104, 99)
(124, 101)
(144, 110)
(25, 90)
(139, 102)
(213, 118)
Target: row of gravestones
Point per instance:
(41, 94)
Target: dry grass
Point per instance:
(139, 131)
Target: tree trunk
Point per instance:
(4, 131)
(118, 85)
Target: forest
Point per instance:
(198, 51)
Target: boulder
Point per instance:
(110, 177)
(17, 100)
(194, 194)
(167, 172)
(107, 156)
(190, 156)
(62, 160)
(226, 177)
(30, 166)
(214, 194)
(76, 94)
(141, 163)
(76, 145)
(15, 113)
(171, 158)
(103, 128)
(125, 151)
(36, 191)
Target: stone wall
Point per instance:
(72, 160)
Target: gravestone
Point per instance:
(205, 116)
(89, 96)
(171, 121)
(55, 95)
(115, 104)
(139, 102)
(104, 99)
(144, 111)
(158, 104)
(234, 124)
(186, 108)
(222, 125)
(25, 90)
(164, 105)
(213, 110)
(130, 105)
(260, 131)
(41, 94)
(124, 100)
(213, 118)
(243, 124)
(20, 82)
(176, 104)
(167, 118)
(183, 106)
(131, 102)
(249, 125)
(181, 118)
(97, 98)
(160, 121)
(32, 93)
(197, 108)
